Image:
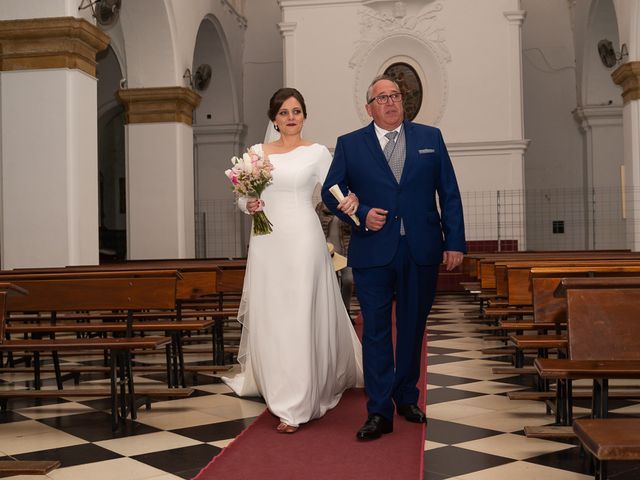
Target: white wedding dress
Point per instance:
(298, 348)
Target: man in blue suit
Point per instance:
(395, 168)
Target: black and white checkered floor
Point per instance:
(474, 431)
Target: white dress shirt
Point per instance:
(381, 132)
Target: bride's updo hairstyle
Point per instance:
(281, 96)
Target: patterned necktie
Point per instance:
(388, 148)
(395, 151)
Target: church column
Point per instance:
(601, 127)
(160, 183)
(48, 142)
(287, 30)
(627, 76)
(515, 19)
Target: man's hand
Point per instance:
(452, 259)
(376, 218)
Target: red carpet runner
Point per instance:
(325, 448)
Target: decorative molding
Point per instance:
(497, 147)
(382, 24)
(377, 25)
(287, 28)
(218, 134)
(314, 3)
(515, 17)
(160, 104)
(44, 43)
(597, 115)
(627, 76)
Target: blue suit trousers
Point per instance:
(390, 379)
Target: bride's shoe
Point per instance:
(284, 428)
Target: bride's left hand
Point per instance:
(349, 204)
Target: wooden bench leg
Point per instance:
(37, 380)
(129, 373)
(601, 469)
(518, 358)
(600, 400)
(559, 401)
(56, 368)
(167, 354)
(174, 348)
(564, 402)
(123, 383)
(183, 381)
(114, 392)
(569, 407)
(218, 356)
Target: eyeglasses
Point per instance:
(382, 99)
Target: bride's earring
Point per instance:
(276, 127)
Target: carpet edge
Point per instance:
(225, 449)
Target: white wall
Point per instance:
(160, 208)
(24, 9)
(554, 169)
(554, 157)
(466, 52)
(262, 65)
(49, 168)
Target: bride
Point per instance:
(298, 347)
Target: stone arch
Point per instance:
(217, 131)
(599, 116)
(211, 48)
(597, 87)
(149, 44)
(112, 219)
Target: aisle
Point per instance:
(324, 448)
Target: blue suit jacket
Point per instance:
(359, 166)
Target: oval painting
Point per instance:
(410, 86)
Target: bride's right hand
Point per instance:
(254, 205)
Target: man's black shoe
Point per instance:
(412, 413)
(374, 427)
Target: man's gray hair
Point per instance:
(378, 79)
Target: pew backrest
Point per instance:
(602, 317)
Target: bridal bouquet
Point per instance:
(250, 175)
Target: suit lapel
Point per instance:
(371, 139)
(411, 149)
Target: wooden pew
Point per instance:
(613, 439)
(519, 286)
(203, 286)
(520, 278)
(604, 339)
(504, 302)
(549, 310)
(487, 263)
(471, 261)
(20, 467)
(91, 291)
